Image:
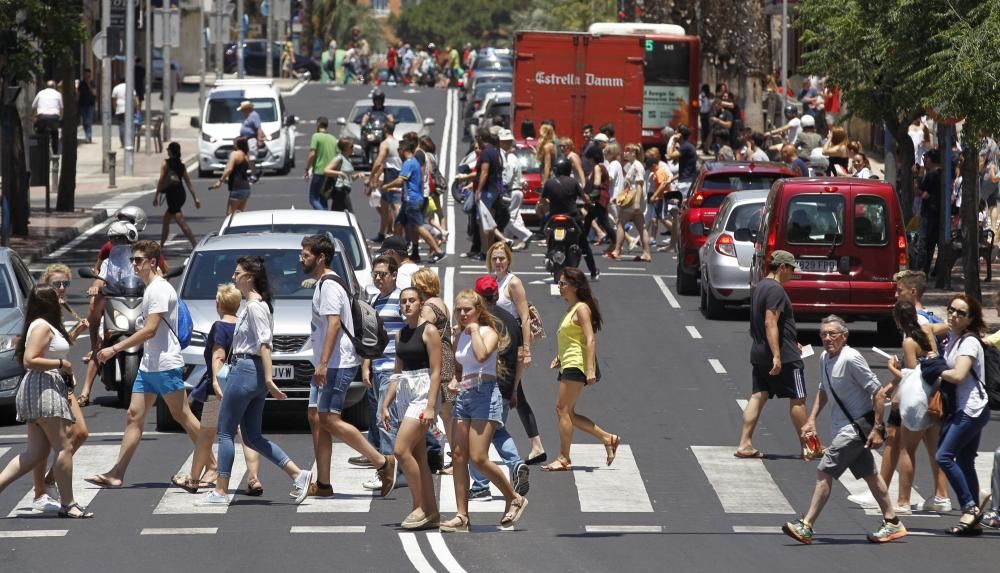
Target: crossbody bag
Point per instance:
(863, 425)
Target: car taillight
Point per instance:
(724, 245)
(698, 199)
(901, 246)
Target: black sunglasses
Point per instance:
(959, 312)
(137, 260)
(60, 284)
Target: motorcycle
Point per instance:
(562, 239)
(372, 134)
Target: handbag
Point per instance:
(535, 323)
(627, 197)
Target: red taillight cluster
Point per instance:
(901, 247)
(698, 199)
(724, 245)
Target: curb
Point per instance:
(40, 246)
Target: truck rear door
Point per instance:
(612, 79)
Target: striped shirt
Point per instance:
(387, 308)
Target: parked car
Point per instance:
(212, 263)
(725, 262)
(255, 60)
(220, 123)
(344, 227)
(484, 76)
(531, 175)
(848, 238)
(714, 182)
(176, 71)
(483, 113)
(473, 104)
(403, 111)
(15, 284)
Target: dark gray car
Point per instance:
(15, 284)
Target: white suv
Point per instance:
(221, 120)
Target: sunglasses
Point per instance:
(380, 274)
(60, 284)
(137, 260)
(958, 312)
(831, 334)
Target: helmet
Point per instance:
(791, 111)
(378, 98)
(123, 229)
(431, 46)
(562, 166)
(808, 121)
(134, 215)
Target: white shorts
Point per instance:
(210, 412)
(252, 144)
(412, 387)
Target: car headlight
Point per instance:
(8, 384)
(208, 138)
(197, 338)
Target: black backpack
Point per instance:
(991, 369)
(369, 336)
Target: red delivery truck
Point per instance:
(575, 78)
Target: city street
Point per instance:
(673, 387)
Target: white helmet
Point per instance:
(123, 229)
(134, 215)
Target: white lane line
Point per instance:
(176, 501)
(297, 88)
(742, 485)
(615, 489)
(87, 461)
(91, 434)
(742, 404)
(666, 292)
(33, 533)
(538, 254)
(413, 552)
(328, 529)
(449, 246)
(179, 531)
(693, 332)
(859, 487)
(756, 529)
(449, 285)
(110, 205)
(452, 168)
(3, 451)
(984, 469)
(717, 366)
(349, 496)
(539, 268)
(443, 554)
(478, 267)
(624, 529)
(627, 268)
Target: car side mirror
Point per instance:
(87, 273)
(745, 235)
(341, 121)
(429, 121)
(291, 120)
(195, 122)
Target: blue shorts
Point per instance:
(330, 398)
(488, 198)
(160, 383)
(411, 215)
(392, 197)
(480, 402)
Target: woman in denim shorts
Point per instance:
(478, 410)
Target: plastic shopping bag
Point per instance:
(486, 222)
(374, 199)
(913, 393)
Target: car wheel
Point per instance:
(714, 308)
(702, 297)
(686, 284)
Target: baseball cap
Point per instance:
(506, 135)
(486, 285)
(601, 137)
(393, 243)
(808, 121)
(784, 258)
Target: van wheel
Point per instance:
(886, 331)
(686, 284)
(714, 308)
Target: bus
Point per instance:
(671, 73)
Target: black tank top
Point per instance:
(411, 350)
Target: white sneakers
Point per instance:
(374, 484)
(213, 498)
(302, 485)
(45, 503)
(937, 504)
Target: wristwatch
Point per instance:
(879, 427)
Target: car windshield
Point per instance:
(346, 235)
(739, 181)
(529, 163)
(7, 297)
(815, 219)
(209, 269)
(484, 88)
(400, 113)
(502, 109)
(745, 216)
(224, 109)
(495, 63)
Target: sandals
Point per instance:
(81, 513)
(514, 512)
(968, 525)
(102, 481)
(612, 448)
(560, 465)
(184, 482)
(254, 487)
(458, 524)
(83, 400)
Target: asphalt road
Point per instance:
(674, 500)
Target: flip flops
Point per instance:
(612, 448)
(754, 455)
(560, 465)
(102, 481)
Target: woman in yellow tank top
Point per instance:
(577, 364)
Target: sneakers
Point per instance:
(374, 484)
(990, 519)
(213, 498)
(302, 484)
(937, 504)
(888, 532)
(45, 503)
(360, 461)
(521, 485)
(903, 510)
(799, 531)
(387, 473)
(865, 500)
(437, 257)
(483, 494)
(595, 276)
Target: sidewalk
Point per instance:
(94, 198)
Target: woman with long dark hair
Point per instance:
(237, 175)
(577, 364)
(42, 401)
(249, 382)
(173, 179)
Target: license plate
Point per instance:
(560, 234)
(282, 372)
(818, 265)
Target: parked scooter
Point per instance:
(562, 239)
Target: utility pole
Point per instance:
(784, 54)
(239, 39)
(270, 36)
(106, 87)
(218, 39)
(168, 69)
(129, 87)
(149, 74)
(202, 57)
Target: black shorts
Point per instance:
(576, 375)
(895, 420)
(991, 201)
(790, 383)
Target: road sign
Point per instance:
(166, 28)
(118, 12)
(99, 46)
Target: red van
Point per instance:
(847, 235)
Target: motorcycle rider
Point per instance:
(559, 197)
(385, 169)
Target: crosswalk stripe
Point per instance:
(496, 504)
(742, 485)
(179, 531)
(623, 529)
(33, 533)
(348, 494)
(756, 529)
(89, 460)
(615, 489)
(859, 487)
(3, 452)
(413, 552)
(176, 501)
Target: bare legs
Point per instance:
(751, 415)
(46, 434)
(322, 446)
(569, 419)
(472, 444)
(411, 454)
(78, 435)
(179, 217)
(824, 484)
(909, 440)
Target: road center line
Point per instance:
(179, 531)
(717, 366)
(443, 554)
(693, 332)
(666, 292)
(413, 552)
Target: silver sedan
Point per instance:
(727, 253)
(403, 111)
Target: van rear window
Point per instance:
(871, 221)
(815, 219)
(738, 182)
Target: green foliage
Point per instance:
(34, 30)
(456, 22)
(334, 19)
(570, 15)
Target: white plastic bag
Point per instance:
(374, 199)
(486, 222)
(913, 393)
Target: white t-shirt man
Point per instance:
(117, 266)
(163, 351)
(794, 129)
(118, 95)
(48, 102)
(616, 177)
(404, 276)
(330, 299)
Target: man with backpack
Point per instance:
(336, 347)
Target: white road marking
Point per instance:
(477, 267)
(3, 452)
(296, 89)
(624, 529)
(110, 205)
(666, 292)
(449, 285)
(443, 554)
(179, 531)
(984, 469)
(742, 403)
(742, 485)
(538, 254)
(693, 332)
(859, 487)
(329, 529)
(717, 366)
(176, 501)
(413, 552)
(91, 434)
(452, 167)
(87, 461)
(348, 495)
(627, 268)
(33, 533)
(756, 529)
(615, 489)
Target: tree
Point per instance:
(456, 22)
(569, 15)
(334, 20)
